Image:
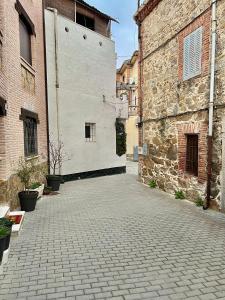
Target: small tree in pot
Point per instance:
(25, 171)
(57, 156)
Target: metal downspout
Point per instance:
(140, 97)
(211, 104)
(46, 84)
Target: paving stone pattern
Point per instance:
(113, 238)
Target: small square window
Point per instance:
(90, 132)
(192, 154)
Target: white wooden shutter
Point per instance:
(192, 55)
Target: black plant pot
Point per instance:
(7, 240)
(28, 200)
(54, 181)
(4, 244)
(2, 247)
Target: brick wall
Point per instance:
(16, 95)
(205, 21)
(193, 128)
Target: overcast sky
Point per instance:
(125, 33)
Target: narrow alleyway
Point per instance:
(113, 238)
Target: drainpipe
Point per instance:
(46, 83)
(211, 104)
(140, 125)
(55, 11)
(75, 12)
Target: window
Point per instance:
(192, 154)
(25, 42)
(1, 50)
(2, 107)
(85, 21)
(30, 136)
(90, 132)
(192, 54)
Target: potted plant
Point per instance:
(5, 233)
(38, 187)
(56, 151)
(5, 222)
(28, 198)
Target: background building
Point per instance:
(127, 90)
(81, 64)
(175, 49)
(23, 129)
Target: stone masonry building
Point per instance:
(23, 125)
(176, 48)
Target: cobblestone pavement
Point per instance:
(113, 238)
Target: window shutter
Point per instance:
(186, 57)
(192, 61)
(198, 51)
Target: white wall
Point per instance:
(87, 93)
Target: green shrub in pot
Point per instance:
(25, 171)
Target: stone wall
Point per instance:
(172, 107)
(10, 188)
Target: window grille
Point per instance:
(192, 154)
(30, 137)
(90, 132)
(192, 55)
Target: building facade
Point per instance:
(81, 67)
(23, 124)
(127, 91)
(177, 93)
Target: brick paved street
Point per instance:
(113, 238)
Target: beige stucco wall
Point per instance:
(132, 134)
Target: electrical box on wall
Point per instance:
(143, 150)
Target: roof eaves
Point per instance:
(145, 9)
(96, 10)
